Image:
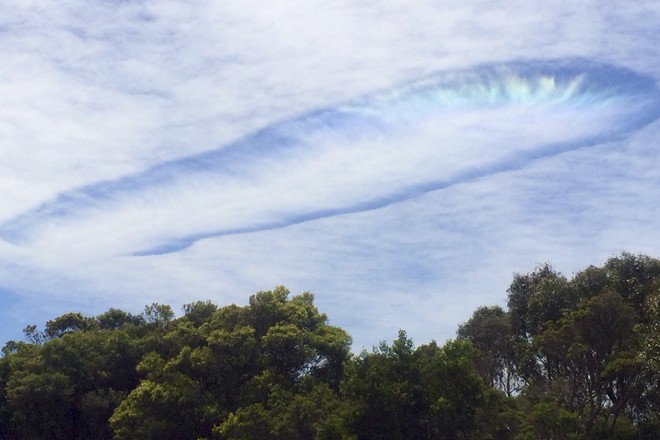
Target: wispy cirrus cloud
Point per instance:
(363, 155)
(398, 160)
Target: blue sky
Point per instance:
(399, 161)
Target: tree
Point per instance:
(165, 405)
(199, 311)
(569, 359)
(68, 322)
(68, 386)
(454, 388)
(634, 277)
(115, 319)
(313, 412)
(489, 330)
(398, 392)
(158, 314)
(588, 361)
(212, 368)
(538, 298)
(33, 335)
(584, 344)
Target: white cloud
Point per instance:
(100, 91)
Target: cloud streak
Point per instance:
(431, 134)
(399, 160)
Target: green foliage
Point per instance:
(175, 407)
(158, 314)
(399, 392)
(115, 319)
(215, 367)
(69, 322)
(567, 359)
(537, 298)
(589, 351)
(199, 311)
(313, 412)
(68, 387)
(497, 349)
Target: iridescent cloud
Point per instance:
(363, 155)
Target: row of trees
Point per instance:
(580, 357)
(566, 359)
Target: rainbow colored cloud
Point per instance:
(377, 150)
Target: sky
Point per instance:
(400, 160)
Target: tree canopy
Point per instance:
(566, 358)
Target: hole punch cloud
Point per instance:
(381, 149)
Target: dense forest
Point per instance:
(568, 358)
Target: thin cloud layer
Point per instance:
(400, 161)
(383, 149)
